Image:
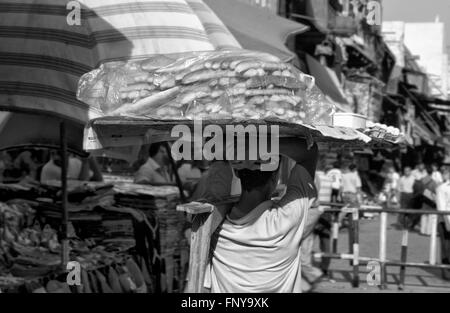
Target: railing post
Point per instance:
(335, 232)
(383, 227)
(433, 223)
(355, 221)
(403, 257)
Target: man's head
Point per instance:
(158, 152)
(264, 182)
(420, 166)
(391, 169)
(407, 171)
(429, 169)
(435, 167)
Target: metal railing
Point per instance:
(354, 255)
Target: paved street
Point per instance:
(417, 280)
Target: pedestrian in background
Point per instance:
(443, 204)
(436, 175)
(392, 181)
(335, 174)
(324, 225)
(351, 196)
(405, 187)
(419, 171)
(351, 185)
(429, 201)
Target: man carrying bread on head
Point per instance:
(258, 244)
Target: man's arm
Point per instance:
(142, 176)
(297, 150)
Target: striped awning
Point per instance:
(42, 57)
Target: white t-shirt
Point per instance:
(437, 177)
(406, 184)
(336, 178)
(351, 182)
(443, 202)
(152, 173)
(325, 186)
(393, 180)
(51, 172)
(260, 252)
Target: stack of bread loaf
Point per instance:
(208, 85)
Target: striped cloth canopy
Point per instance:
(42, 57)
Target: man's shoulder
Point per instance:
(50, 166)
(443, 188)
(145, 170)
(300, 185)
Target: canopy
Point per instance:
(42, 57)
(22, 130)
(326, 80)
(256, 28)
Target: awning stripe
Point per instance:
(100, 11)
(42, 56)
(198, 6)
(103, 36)
(42, 61)
(40, 90)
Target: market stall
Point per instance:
(41, 76)
(147, 80)
(101, 239)
(122, 230)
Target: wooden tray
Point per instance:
(107, 132)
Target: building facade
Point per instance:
(427, 42)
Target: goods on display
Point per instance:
(384, 132)
(236, 84)
(121, 247)
(164, 225)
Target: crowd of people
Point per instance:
(424, 187)
(415, 189)
(44, 166)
